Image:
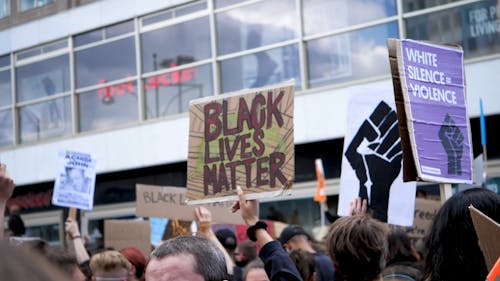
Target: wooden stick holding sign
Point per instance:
(241, 139)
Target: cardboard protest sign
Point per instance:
(119, 234)
(75, 182)
(488, 232)
(169, 202)
(429, 88)
(241, 139)
(425, 211)
(371, 166)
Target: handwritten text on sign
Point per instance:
(244, 139)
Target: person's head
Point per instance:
(358, 247)
(305, 263)
(193, 257)
(110, 265)
(16, 226)
(245, 252)
(59, 258)
(295, 237)
(254, 271)
(17, 263)
(227, 238)
(137, 259)
(454, 252)
(400, 248)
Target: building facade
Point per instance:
(114, 78)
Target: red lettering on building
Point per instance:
(153, 82)
(31, 200)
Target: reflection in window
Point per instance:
(327, 15)
(358, 54)
(49, 233)
(107, 62)
(171, 92)
(475, 27)
(5, 88)
(256, 25)
(45, 120)
(174, 45)
(30, 4)
(413, 5)
(6, 129)
(43, 78)
(261, 69)
(224, 3)
(4, 61)
(108, 107)
(4, 8)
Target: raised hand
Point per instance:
(6, 184)
(375, 155)
(453, 142)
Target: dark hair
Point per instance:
(454, 252)
(210, 262)
(305, 263)
(358, 246)
(400, 248)
(18, 263)
(60, 258)
(248, 249)
(137, 259)
(16, 225)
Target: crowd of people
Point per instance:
(357, 248)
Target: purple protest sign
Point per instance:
(433, 87)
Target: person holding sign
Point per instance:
(277, 263)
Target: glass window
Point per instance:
(4, 60)
(88, 37)
(4, 8)
(43, 78)
(42, 49)
(261, 69)
(45, 120)
(225, 3)
(171, 92)
(189, 9)
(413, 5)
(5, 88)
(108, 107)
(6, 129)
(157, 18)
(355, 55)
(119, 29)
(327, 15)
(107, 62)
(256, 25)
(25, 5)
(174, 45)
(474, 26)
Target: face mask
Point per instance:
(241, 263)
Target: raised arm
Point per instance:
(204, 219)
(277, 263)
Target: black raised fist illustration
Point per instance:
(375, 154)
(453, 143)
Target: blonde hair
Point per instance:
(109, 260)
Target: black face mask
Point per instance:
(241, 263)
